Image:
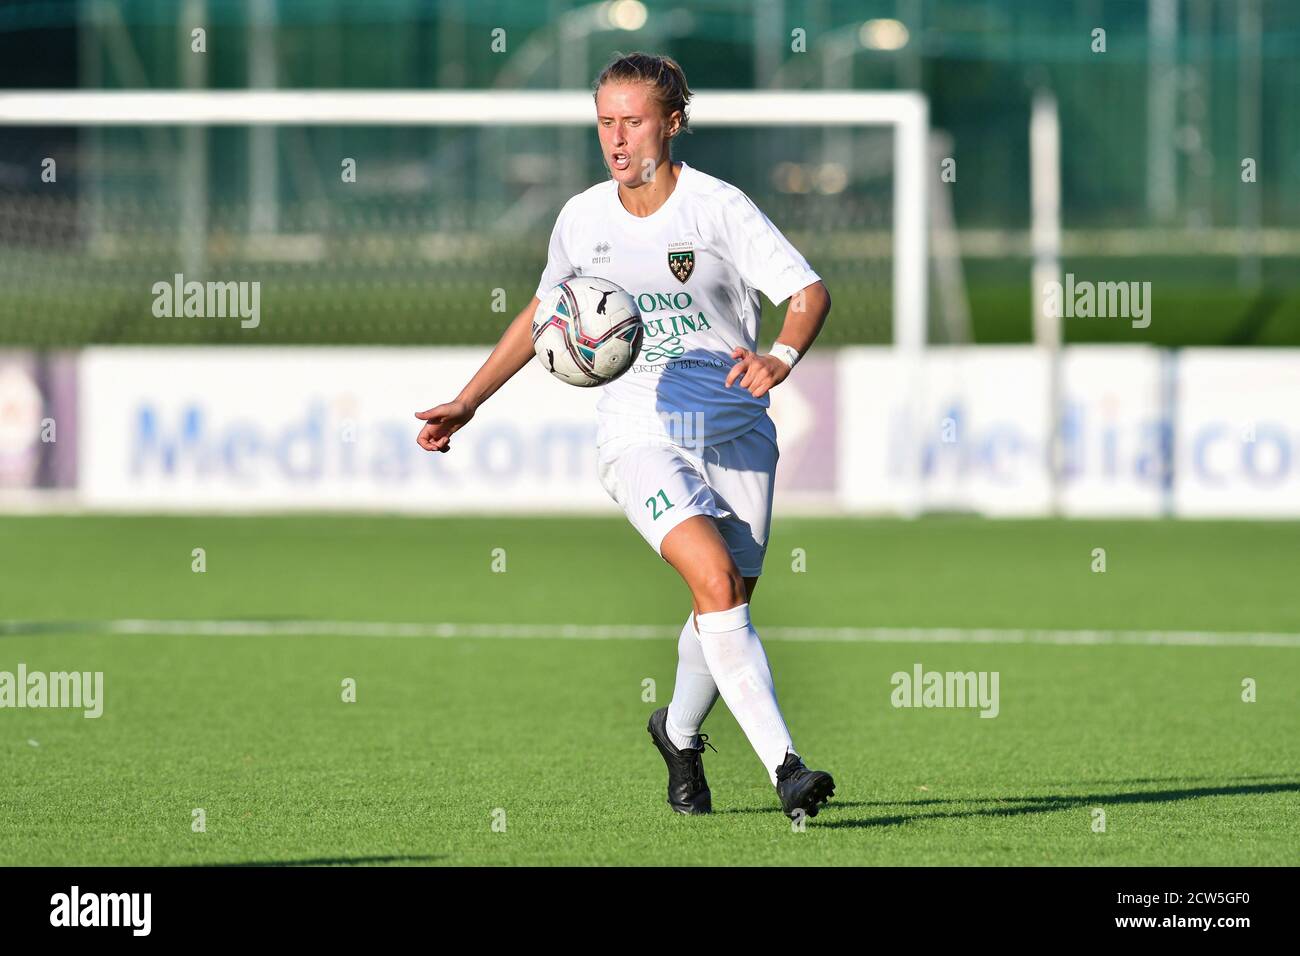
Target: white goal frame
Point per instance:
(908, 113)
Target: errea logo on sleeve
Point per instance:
(102, 909)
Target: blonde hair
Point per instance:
(665, 76)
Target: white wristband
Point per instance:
(786, 353)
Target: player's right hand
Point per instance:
(441, 422)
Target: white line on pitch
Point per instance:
(599, 632)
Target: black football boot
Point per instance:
(688, 791)
(802, 789)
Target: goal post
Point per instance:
(906, 114)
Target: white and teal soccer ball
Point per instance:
(587, 331)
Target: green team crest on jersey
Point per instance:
(681, 263)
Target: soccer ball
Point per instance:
(587, 331)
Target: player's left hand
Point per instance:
(757, 373)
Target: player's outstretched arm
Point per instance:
(511, 354)
(758, 374)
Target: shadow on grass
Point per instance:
(1276, 778)
(331, 861)
(1017, 805)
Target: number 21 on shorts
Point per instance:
(653, 504)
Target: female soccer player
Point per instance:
(685, 444)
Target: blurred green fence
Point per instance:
(1155, 129)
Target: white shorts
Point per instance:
(659, 485)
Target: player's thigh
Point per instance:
(658, 488)
(696, 550)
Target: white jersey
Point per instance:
(695, 267)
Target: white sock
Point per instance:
(694, 694)
(739, 667)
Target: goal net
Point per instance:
(412, 217)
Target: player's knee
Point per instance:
(719, 589)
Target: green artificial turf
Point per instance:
(449, 735)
